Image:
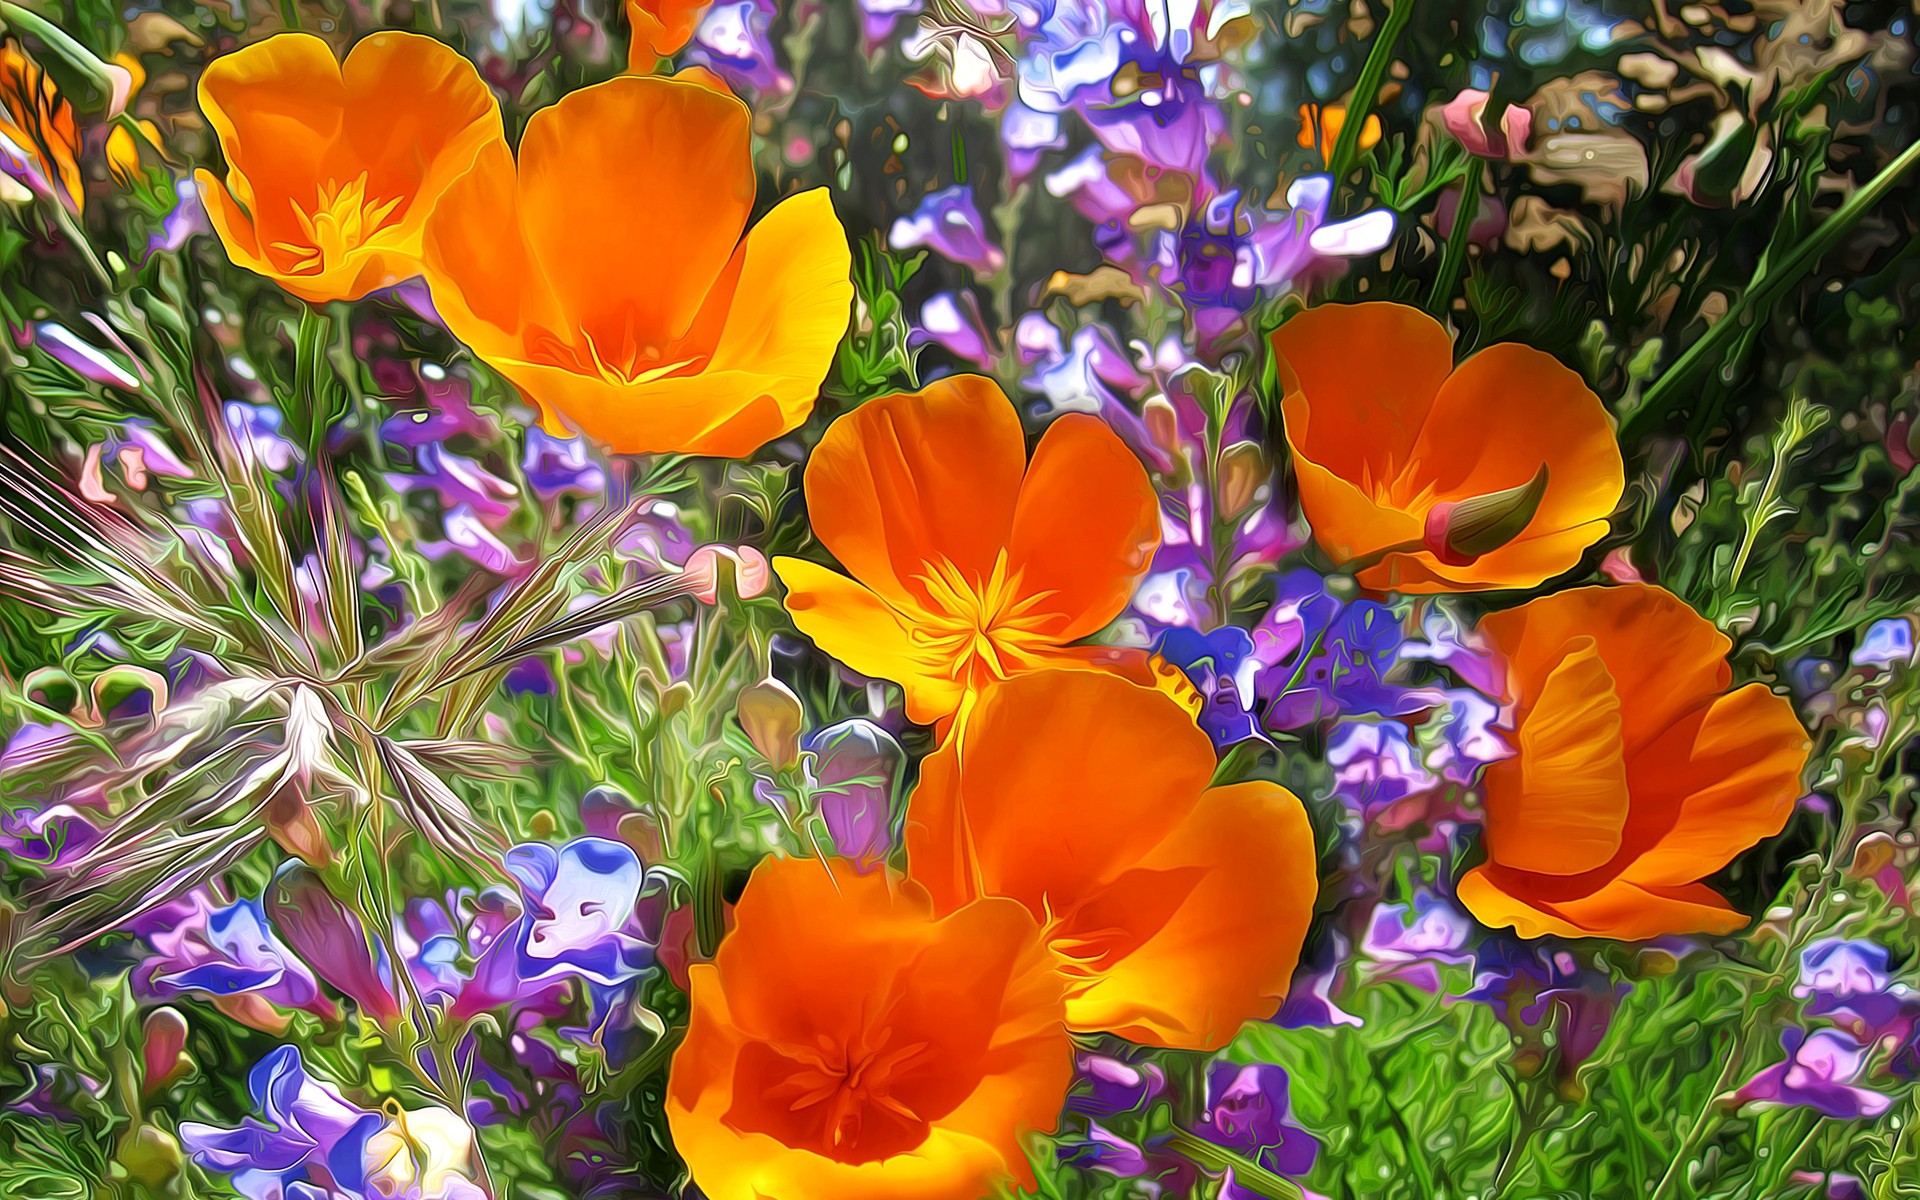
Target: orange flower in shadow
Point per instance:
(1637, 773)
(848, 1044)
(1320, 129)
(969, 564)
(606, 275)
(1421, 477)
(38, 134)
(1175, 909)
(660, 28)
(332, 168)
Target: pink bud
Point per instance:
(750, 572)
(163, 1044)
(1467, 120)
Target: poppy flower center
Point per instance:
(833, 1097)
(343, 219)
(987, 628)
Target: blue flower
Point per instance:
(227, 952)
(310, 1136)
(1246, 1112)
(949, 223)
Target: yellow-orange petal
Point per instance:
(1225, 955)
(1715, 783)
(1357, 382)
(485, 285)
(918, 478)
(957, 1022)
(1085, 528)
(277, 108)
(858, 627)
(1501, 416)
(1666, 660)
(1620, 910)
(633, 195)
(660, 29)
(1048, 820)
(1559, 806)
(777, 332)
(1349, 525)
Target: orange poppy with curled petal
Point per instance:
(606, 273)
(332, 167)
(969, 563)
(1385, 430)
(1637, 773)
(847, 1043)
(660, 28)
(1175, 909)
(38, 133)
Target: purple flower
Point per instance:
(1887, 644)
(50, 837)
(1410, 939)
(556, 467)
(1846, 981)
(1222, 667)
(82, 357)
(949, 223)
(1246, 1112)
(188, 217)
(577, 912)
(228, 952)
(459, 482)
(952, 321)
(1027, 134)
(1818, 1073)
(1375, 765)
(1464, 736)
(1105, 1086)
(733, 41)
(468, 535)
(857, 768)
(310, 1135)
(1336, 658)
(1228, 256)
(256, 429)
(1100, 1149)
(325, 933)
(314, 1144)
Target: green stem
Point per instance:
(1247, 1173)
(1761, 293)
(1455, 252)
(1360, 105)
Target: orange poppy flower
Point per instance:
(969, 564)
(1637, 773)
(1423, 477)
(1175, 909)
(660, 29)
(332, 167)
(37, 127)
(847, 1044)
(1320, 127)
(606, 274)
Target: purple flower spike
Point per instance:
(311, 1138)
(1247, 1113)
(579, 901)
(228, 952)
(1818, 1073)
(949, 223)
(857, 767)
(1375, 765)
(325, 933)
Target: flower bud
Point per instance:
(1728, 168)
(1163, 425)
(771, 715)
(1244, 470)
(151, 1156)
(857, 768)
(1468, 121)
(1459, 532)
(163, 1045)
(750, 572)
